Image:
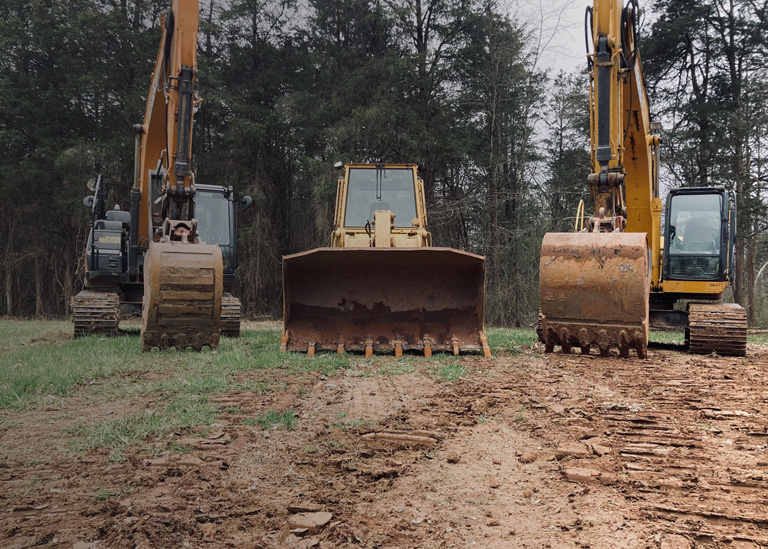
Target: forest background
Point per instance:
(290, 87)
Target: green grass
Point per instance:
(42, 358)
(103, 494)
(503, 340)
(666, 337)
(32, 333)
(181, 412)
(28, 373)
(759, 339)
(347, 424)
(274, 420)
(449, 372)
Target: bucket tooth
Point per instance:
(284, 337)
(427, 344)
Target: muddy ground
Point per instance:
(523, 450)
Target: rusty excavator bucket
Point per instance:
(594, 290)
(385, 300)
(183, 285)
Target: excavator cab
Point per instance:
(699, 233)
(216, 213)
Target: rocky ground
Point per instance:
(521, 450)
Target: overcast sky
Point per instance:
(558, 25)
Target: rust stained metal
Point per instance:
(384, 300)
(594, 291)
(183, 289)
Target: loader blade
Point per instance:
(183, 285)
(594, 291)
(384, 299)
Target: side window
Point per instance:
(212, 213)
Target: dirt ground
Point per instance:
(526, 450)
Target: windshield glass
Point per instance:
(212, 213)
(694, 233)
(372, 189)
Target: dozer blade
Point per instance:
(384, 300)
(594, 291)
(182, 296)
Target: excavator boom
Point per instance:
(183, 277)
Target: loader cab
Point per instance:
(699, 234)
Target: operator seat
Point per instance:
(698, 236)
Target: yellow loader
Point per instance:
(381, 286)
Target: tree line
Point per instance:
(289, 88)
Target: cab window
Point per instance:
(371, 189)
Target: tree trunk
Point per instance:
(750, 280)
(38, 287)
(69, 282)
(8, 290)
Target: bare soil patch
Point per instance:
(527, 450)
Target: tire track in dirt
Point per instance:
(689, 436)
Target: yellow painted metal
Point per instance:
(693, 287)
(381, 286)
(657, 243)
(578, 225)
(383, 222)
(156, 135)
(404, 234)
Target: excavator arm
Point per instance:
(183, 278)
(164, 140)
(595, 285)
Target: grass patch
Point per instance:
(28, 374)
(182, 412)
(759, 339)
(503, 340)
(274, 420)
(103, 494)
(176, 448)
(449, 372)
(116, 368)
(348, 424)
(655, 336)
(25, 334)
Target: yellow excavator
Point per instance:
(152, 258)
(381, 286)
(606, 284)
